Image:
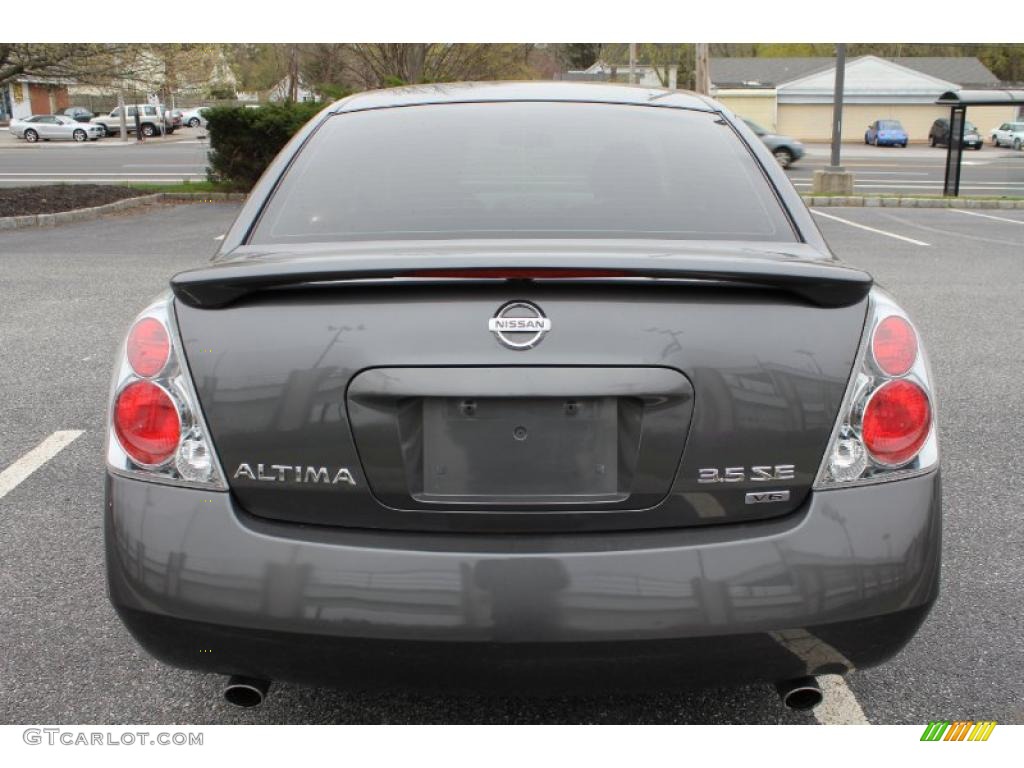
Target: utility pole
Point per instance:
(632, 63)
(834, 180)
(702, 70)
(122, 109)
(837, 104)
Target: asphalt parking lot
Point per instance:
(67, 295)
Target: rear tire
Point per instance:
(784, 156)
(148, 130)
(1016, 144)
(931, 141)
(31, 136)
(193, 123)
(79, 135)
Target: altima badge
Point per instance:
(519, 324)
(287, 473)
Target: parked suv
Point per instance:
(151, 120)
(938, 134)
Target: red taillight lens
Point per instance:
(896, 421)
(148, 347)
(894, 346)
(147, 423)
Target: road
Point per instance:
(172, 160)
(67, 295)
(918, 169)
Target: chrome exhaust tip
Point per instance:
(801, 693)
(246, 691)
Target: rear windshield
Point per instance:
(889, 125)
(522, 170)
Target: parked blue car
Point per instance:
(886, 132)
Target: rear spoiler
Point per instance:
(823, 283)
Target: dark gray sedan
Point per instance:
(540, 386)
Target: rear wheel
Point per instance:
(193, 123)
(931, 141)
(148, 130)
(784, 156)
(31, 136)
(79, 135)
(1016, 144)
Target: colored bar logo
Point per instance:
(958, 730)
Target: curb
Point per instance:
(860, 201)
(88, 214)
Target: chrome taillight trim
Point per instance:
(175, 379)
(865, 379)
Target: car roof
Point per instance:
(454, 93)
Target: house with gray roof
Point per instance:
(794, 95)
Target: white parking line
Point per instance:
(11, 477)
(219, 237)
(838, 706)
(986, 216)
(816, 212)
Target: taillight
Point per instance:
(148, 347)
(157, 431)
(886, 425)
(894, 346)
(895, 422)
(147, 423)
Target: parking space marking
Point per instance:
(12, 477)
(839, 706)
(986, 216)
(870, 229)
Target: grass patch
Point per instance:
(184, 186)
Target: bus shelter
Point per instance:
(958, 102)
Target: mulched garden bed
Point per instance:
(55, 198)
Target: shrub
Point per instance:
(244, 140)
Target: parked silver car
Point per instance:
(194, 118)
(1008, 135)
(55, 127)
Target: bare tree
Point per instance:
(376, 64)
(83, 62)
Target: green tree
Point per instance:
(580, 55)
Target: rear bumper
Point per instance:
(842, 583)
